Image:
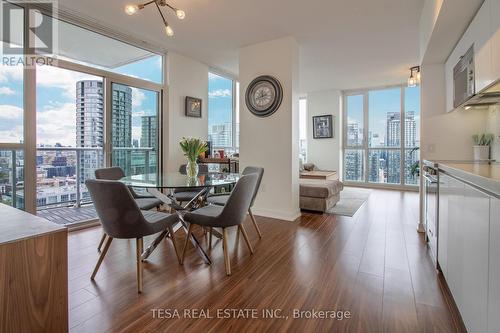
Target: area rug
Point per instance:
(351, 199)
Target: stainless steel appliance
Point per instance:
(431, 206)
(464, 78)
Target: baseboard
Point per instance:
(276, 214)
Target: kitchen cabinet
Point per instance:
(483, 32)
(495, 40)
(455, 238)
(444, 198)
(494, 270)
(474, 262)
(466, 253)
(480, 28)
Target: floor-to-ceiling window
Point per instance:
(303, 129)
(12, 116)
(97, 104)
(381, 135)
(223, 113)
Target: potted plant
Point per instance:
(192, 148)
(482, 146)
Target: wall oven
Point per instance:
(464, 78)
(431, 207)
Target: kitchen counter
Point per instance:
(34, 273)
(16, 225)
(483, 175)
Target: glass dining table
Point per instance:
(163, 186)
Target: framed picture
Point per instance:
(193, 107)
(323, 127)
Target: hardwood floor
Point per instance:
(373, 265)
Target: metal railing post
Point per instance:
(14, 178)
(78, 174)
(146, 154)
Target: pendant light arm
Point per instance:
(161, 14)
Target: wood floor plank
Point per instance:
(373, 265)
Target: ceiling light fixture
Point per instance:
(414, 78)
(132, 9)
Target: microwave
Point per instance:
(463, 78)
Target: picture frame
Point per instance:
(323, 127)
(193, 107)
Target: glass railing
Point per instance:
(12, 177)
(62, 171)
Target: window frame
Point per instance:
(234, 90)
(28, 146)
(366, 149)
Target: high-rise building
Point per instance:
(121, 126)
(148, 131)
(89, 126)
(354, 158)
(220, 135)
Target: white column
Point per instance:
(272, 142)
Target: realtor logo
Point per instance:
(27, 34)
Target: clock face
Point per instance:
(264, 96)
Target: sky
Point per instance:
(380, 102)
(56, 94)
(220, 100)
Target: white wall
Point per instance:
(272, 142)
(493, 127)
(324, 153)
(186, 77)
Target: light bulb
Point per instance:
(169, 31)
(180, 14)
(131, 9)
(412, 82)
(418, 76)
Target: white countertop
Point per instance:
(16, 225)
(486, 176)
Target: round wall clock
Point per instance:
(264, 95)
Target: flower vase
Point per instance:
(192, 169)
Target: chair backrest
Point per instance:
(119, 214)
(238, 203)
(260, 172)
(202, 168)
(113, 173)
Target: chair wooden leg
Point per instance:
(190, 230)
(210, 239)
(225, 248)
(139, 249)
(245, 236)
(171, 233)
(103, 238)
(254, 222)
(101, 257)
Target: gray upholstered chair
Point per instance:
(221, 200)
(186, 195)
(121, 218)
(145, 202)
(233, 213)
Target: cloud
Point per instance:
(10, 112)
(6, 91)
(220, 93)
(11, 73)
(53, 77)
(137, 97)
(14, 134)
(57, 123)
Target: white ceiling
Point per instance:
(345, 44)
